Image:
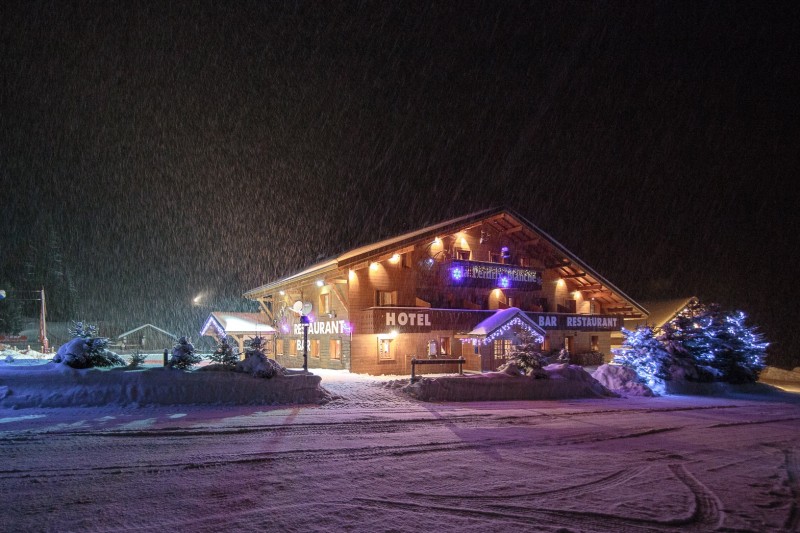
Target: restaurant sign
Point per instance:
(577, 322)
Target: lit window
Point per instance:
(279, 347)
(463, 255)
(431, 347)
(313, 348)
(386, 298)
(444, 345)
(385, 350)
(293, 347)
(336, 349)
(325, 303)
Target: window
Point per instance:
(463, 255)
(336, 350)
(293, 347)
(325, 303)
(595, 343)
(313, 347)
(385, 350)
(501, 348)
(495, 257)
(386, 298)
(279, 347)
(407, 263)
(431, 347)
(444, 345)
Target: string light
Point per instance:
(505, 328)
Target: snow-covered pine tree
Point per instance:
(707, 343)
(527, 355)
(86, 349)
(685, 338)
(644, 352)
(738, 350)
(225, 354)
(183, 355)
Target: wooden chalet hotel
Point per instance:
(472, 287)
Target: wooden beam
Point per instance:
(513, 230)
(578, 275)
(591, 287)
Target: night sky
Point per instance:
(179, 148)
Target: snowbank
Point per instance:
(622, 380)
(55, 385)
(771, 373)
(565, 381)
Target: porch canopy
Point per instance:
(506, 324)
(237, 326)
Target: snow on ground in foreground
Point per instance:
(58, 385)
(377, 460)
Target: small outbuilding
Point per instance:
(238, 326)
(146, 337)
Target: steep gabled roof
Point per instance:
(501, 318)
(134, 330)
(662, 311)
(358, 254)
(236, 323)
(500, 220)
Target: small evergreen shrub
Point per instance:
(183, 355)
(137, 359)
(225, 353)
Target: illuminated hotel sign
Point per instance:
(477, 274)
(410, 319)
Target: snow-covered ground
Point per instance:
(377, 460)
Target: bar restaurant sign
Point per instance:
(577, 322)
(479, 274)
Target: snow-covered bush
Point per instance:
(621, 380)
(257, 363)
(563, 356)
(225, 353)
(183, 356)
(86, 349)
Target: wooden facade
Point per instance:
(420, 294)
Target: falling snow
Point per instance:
(168, 157)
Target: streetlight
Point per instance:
(304, 320)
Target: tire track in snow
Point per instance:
(611, 480)
(708, 513)
(704, 515)
(792, 522)
(363, 453)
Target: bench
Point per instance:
(414, 362)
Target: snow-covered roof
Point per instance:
(365, 253)
(500, 319)
(373, 248)
(237, 323)
(134, 330)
